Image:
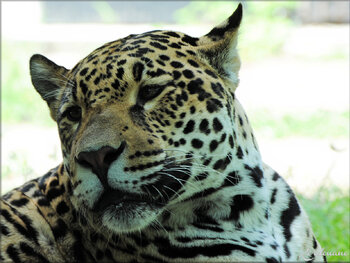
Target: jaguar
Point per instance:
(160, 163)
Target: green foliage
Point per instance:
(104, 10)
(20, 101)
(210, 12)
(265, 25)
(316, 124)
(214, 12)
(265, 28)
(329, 213)
(335, 53)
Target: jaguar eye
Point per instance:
(149, 92)
(74, 113)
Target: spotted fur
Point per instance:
(159, 162)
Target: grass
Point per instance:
(313, 124)
(20, 102)
(329, 213)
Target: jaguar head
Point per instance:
(145, 122)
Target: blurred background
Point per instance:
(294, 86)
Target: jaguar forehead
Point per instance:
(117, 66)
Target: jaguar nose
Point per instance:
(100, 160)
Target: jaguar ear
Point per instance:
(219, 47)
(48, 80)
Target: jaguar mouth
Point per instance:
(118, 198)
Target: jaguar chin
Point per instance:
(122, 212)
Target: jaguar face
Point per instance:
(144, 121)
